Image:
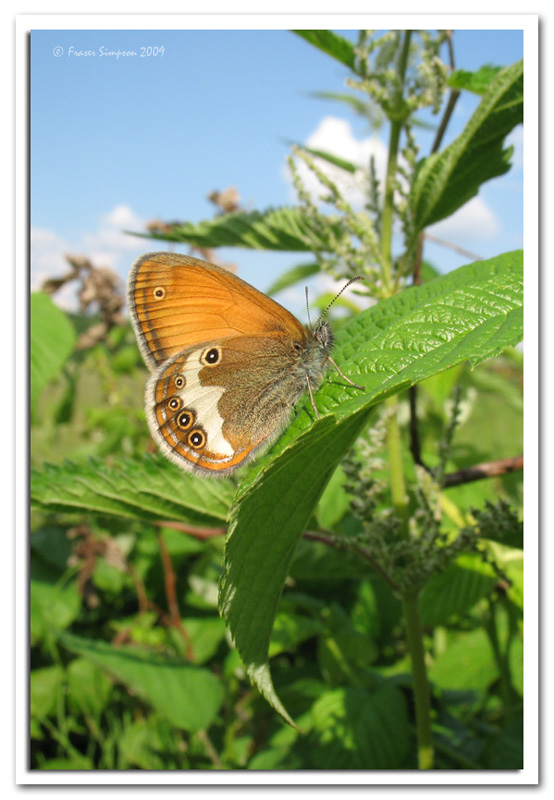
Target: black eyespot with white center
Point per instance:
(211, 356)
(185, 419)
(159, 293)
(174, 403)
(197, 438)
(179, 382)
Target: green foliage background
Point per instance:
(132, 665)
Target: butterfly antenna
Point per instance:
(346, 285)
(308, 308)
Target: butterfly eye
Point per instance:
(211, 356)
(185, 420)
(197, 439)
(179, 381)
(297, 347)
(159, 293)
(174, 404)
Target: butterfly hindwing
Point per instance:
(206, 411)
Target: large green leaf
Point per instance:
(264, 531)
(52, 339)
(189, 697)
(151, 489)
(285, 228)
(472, 313)
(447, 180)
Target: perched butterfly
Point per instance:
(227, 362)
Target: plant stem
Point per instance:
(425, 753)
(396, 123)
(397, 483)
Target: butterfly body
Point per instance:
(228, 363)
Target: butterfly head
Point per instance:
(323, 334)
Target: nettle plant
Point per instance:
(364, 483)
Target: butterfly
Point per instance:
(227, 363)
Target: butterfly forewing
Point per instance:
(177, 301)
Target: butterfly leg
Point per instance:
(357, 385)
(312, 395)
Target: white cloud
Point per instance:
(335, 136)
(475, 221)
(109, 243)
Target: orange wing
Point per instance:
(177, 301)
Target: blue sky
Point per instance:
(116, 142)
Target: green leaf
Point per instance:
(332, 44)
(477, 82)
(46, 685)
(89, 687)
(334, 503)
(290, 630)
(472, 313)
(256, 565)
(467, 665)
(357, 729)
(54, 601)
(344, 652)
(280, 229)
(206, 634)
(152, 489)
(341, 163)
(294, 275)
(456, 589)
(52, 546)
(445, 181)
(52, 339)
(368, 110)
(146, 743)
(189, 697)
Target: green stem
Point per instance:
(396, 466)
(396, 116)
(425, 753)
